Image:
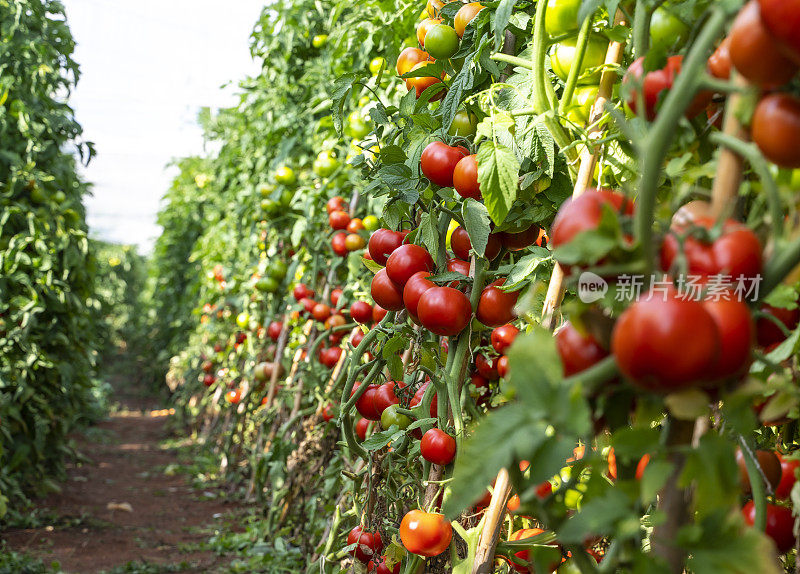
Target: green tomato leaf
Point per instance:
(498, 172)
(476, 222)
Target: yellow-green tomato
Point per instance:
(370, 223)
(326, 163)
(359, 129)
(582, 102)
(375, 65)
(564, 54)
(285, 175)
(266, 189)
(464, 124)
(243, 319)
(561, 16)
(319, 40)
(441, 41)
(666, 30)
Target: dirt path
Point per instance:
(94, 529)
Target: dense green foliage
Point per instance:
(47, 271)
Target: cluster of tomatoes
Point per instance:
(439, 40)
(348, 229)
(763, 47)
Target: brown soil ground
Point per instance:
(167, 517)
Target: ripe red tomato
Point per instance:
(274, 330)
(370, 544)
(775, 128)
(788, 478)
(415, 287)
(465, 177)
(383, 242)
(328, 412)
(207, 366)
(719, 63)
(339, 219)
(233, 397)
(336, 203)
(444, 311)
(754, 51)
(302, 292)
(769, 463)
(329, 357)
(365, 405)
(409, 58)
(502, 366)
(308, 304)
(485, 368)
(496, 307)
(782, 19)
(649, 342)
(656, 82)
(385, 292)
(355, 225)
(378, 313)
(502, 337)
(335, 320)
(407, 260)
(736, 335)
(321, 312)
(384, 396)
(438, 447)
(737, 252)
(439, 161)
(526, 554)
(584, 212)
(465, 15)
(383, 568)
(361, 312)
(515, 241)
(767, 332)
(578, 351)
(335, 295)
(458, 266)
(461, 244)
(780, 523)
(482, 392)
(209, 380)
(425, 533)
(339, 243)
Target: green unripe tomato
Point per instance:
(582, 102)
(319, 40)
(285, 175)
(390, 417)
(266, 189)
(370, 223)
(564, 54)
(561, 16)
(267, 285)
(269, 206)
(464, 124)
(441, 41)
(376, 64)
(359, 129)
(325, 164)
(286, 197)
(38, 195)
(243, 319)
(667, 31)
(277, 269)
(59, 197)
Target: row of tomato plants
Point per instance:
(408, 291)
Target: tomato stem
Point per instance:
(777, 268)
(656, 144)
(756, 477)
(581, 45)
(513, 60)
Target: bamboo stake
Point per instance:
(730, 166)
(484, 555)
(588, 161)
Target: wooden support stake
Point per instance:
(588, 161)
(484, 554)
(730, 166)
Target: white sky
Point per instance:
(147, 67)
